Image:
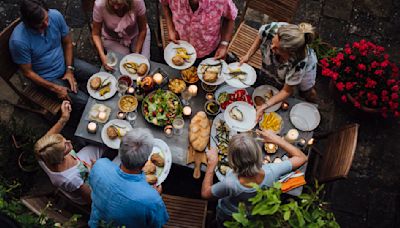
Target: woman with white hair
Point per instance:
(245, 159)
(66, 169)
(120, 26)
(287, 61)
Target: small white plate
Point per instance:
(261, 90)
(250, 77)
(249, 117)
(159, 146)
(225, 88)
(212, 61)
(136, 58)
(114, 143)
(104, 76)
(170, 52)
(305, 116)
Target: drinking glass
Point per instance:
(186, 95)
(111, 59)
(178, 125)
(122, 87)
(131, 118)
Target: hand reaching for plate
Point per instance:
(212, 158)
(268, 136)
(260, 111)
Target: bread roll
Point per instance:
(142, 69)
(112, 132)
(199, 133)
(149, 168)
(177, 60)
(151, 179)
(157, 160)
(95, 83)
(210, 76)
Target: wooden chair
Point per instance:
(162, 37)
(277, 10)
(185, 212)
(335, 161)
(48, 106)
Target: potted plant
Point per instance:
(267, 209)
(364, 76)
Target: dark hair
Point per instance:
(32, 12)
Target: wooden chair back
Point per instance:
(277, 10)
(185, 212)
(335, 161)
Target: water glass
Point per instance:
(178, 125)
(122, 87)
(111, 59)
(131, 118)
(186, 95)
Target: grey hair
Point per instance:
(136, 147)
(244, 155)
(294, 38)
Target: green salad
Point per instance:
(161, 107)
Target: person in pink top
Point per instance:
(199, 22)
(120, 26)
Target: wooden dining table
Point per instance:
(178, 144)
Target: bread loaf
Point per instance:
(199, 131)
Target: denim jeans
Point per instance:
(83, 71)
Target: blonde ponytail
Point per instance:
(294, 38)
(308, 31)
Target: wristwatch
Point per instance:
(224, 43)
(72, 68)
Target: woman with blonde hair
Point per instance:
(287, 61)
(66, 169)
(245, 159)
(120, 26)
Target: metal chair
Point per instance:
(335, 161)
(48, 107)
(185, 212)
(277, 10)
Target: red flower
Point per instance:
(340, 86)
(384, 63)
(395, 96)
(395, 88)
(352, 57)
(340, 56)
(344, 98)
(386, 56)
(324, 62)
(347, 69)
(361, 67)
(374, 64)
(390, 82)
(357, 104)
(349, 85)
(396, 114)
(378, 72)
(384, 93)
(347, 50)
(370, 83)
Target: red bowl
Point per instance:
(127, 79)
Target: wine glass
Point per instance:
(131, 118)
(122, 87)
(178, 125)
(186, 95)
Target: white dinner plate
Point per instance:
(249, 117)
(261, 91)
(114, 143)
(212, 61)
(136, 58)
(305, 116)
(241, 84)
(170, 52)
(104, 76)
(159, 146)
(213, 134)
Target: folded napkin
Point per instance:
(293, 182)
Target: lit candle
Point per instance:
(193, 90)
(285, 106)
(138, 80)
(168, 130)
(158, 78)
(270, 147)
(209, 96)
(121, 115)
(130, 90)
(92, 127)
(301, 142)
(310, 142)
(292, 135)
(187, 111)
(102, 116)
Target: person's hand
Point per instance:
(158, 188)
(65, 110)
(62, 92)
(173, 36)
(212, 157)
(221, 52)
(105, 65)
(260, 111)
(69, 76)
(268, 136)
(244, 59)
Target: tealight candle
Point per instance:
(209, 96)
(310, 142)
(301, 142)
(92, 127)
(158, 78)
(130, 90)
(121, 115)
(193, 90)
(292, 135)
(187, 110)
(102, 116)
(270, 147)
(285, 106)
(168, 130)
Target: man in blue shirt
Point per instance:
(120, 194)
(42, 47)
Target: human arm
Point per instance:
(96, 37)
(65, 114)
(85, 192)
(142, 24)
(172, 34)
(68, 57)
(286, 91)
(226, 36)
(254, 47)
(212, 161)
(296, 157)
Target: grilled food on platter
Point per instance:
(115, 131)
(236, 114)
(177, 85)
(271, 121)
(199, 131)
(142, 69)
(95, 83)
(178, 61)
(131, 67)
(181, 56)
(103, 87)
(190, 75)
(238, 74)
(211, 72)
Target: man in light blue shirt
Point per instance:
(120, 194)
(42, 47)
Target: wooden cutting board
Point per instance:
(197, 157)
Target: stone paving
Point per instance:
(370, 197)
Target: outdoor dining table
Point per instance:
(178, 144)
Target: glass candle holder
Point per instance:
(92, 127)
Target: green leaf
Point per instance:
(241, 218)
(286, 215)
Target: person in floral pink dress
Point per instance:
(199, 22)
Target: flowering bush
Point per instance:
(363, 71)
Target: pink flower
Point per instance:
(340, 86)
(344, 98)
(361, 66)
